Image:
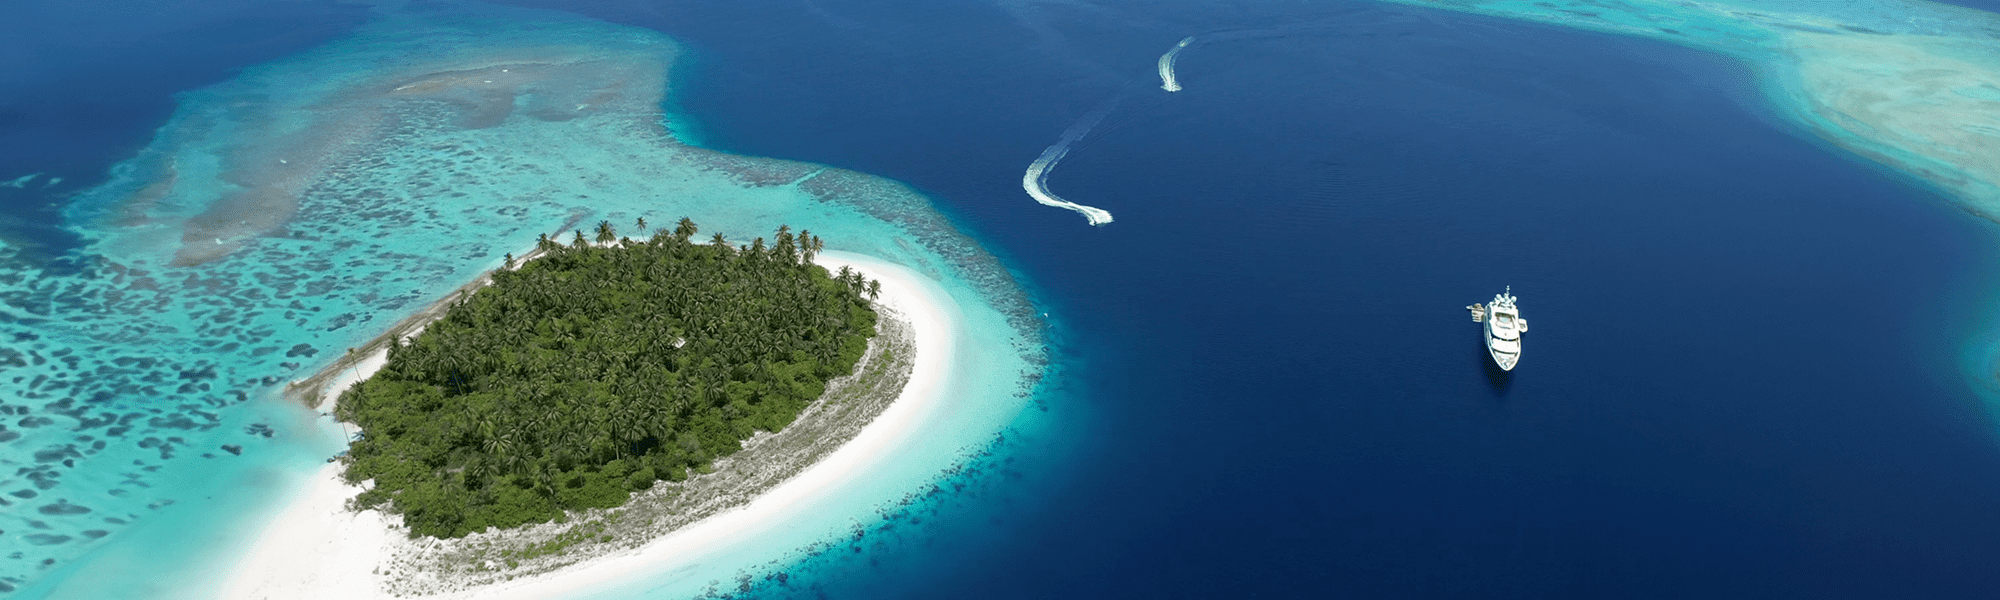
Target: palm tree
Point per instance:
(604, 233)
(545, 482)
(785, 245)
(476, 472)
(580, 242)
(686, 229)
(642, 226)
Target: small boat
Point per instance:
(1504, 327)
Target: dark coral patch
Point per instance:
(62, 508)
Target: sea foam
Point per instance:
(1036, 179)
(1167, 81)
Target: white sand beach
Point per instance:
(315, 548)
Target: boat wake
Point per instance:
(1167, 81)
(1036, 180)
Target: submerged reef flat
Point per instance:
(293, 213)
(1927, 105)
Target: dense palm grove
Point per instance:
(596, 370)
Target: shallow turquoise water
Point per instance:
(344, 188)
(405, 192)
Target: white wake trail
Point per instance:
(1167, 81)
(1036, 180)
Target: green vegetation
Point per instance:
(592, 372)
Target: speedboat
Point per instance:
(1504, 327)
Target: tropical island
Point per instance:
(599, 407)
(492, 128)
(596, 370)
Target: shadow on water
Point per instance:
(1499, 379)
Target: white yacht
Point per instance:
(1504, 327)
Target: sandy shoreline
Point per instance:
(314, 548)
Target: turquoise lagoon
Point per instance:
(295, 211)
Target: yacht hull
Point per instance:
(1503, 359)
(1504, 327)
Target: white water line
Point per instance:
(1036, 180)
(1167, 81)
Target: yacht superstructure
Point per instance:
(1504, 327)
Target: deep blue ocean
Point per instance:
(1746, 376)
